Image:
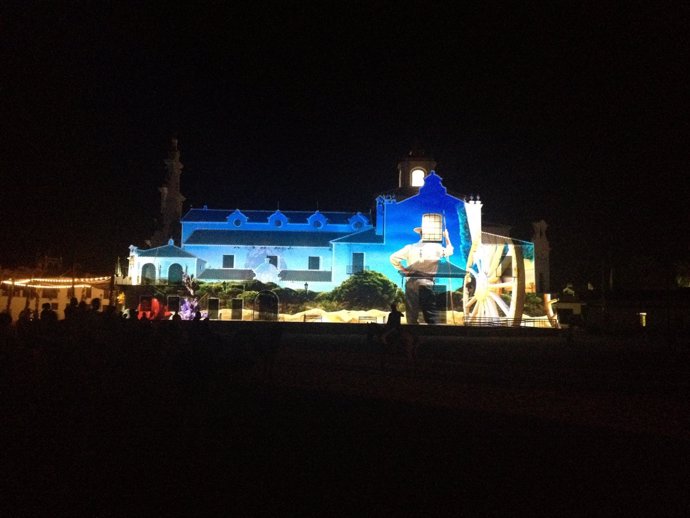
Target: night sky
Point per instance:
(578, 116)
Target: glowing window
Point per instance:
(432, 227)
(417, 178)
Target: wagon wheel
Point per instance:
(495, 270)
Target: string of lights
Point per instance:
(57, 282)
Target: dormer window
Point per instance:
(277, 219)
(317, 220)
(236, 218)
(358, 221)
(417, 177)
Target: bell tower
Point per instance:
(414, 167)
(541, 256)
(171, 198)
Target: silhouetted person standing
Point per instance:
(394, 319)
(47, 313)
(393, 323)
(71, 308)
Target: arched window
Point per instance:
(175, 274)
(148, 274)
(417, 178)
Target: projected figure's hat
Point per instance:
(432, 227)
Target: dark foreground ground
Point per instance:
(170, 426)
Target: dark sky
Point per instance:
(575, 115)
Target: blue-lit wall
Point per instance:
(397, 225)
(394, 228)
(249, 257)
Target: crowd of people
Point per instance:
(33, 329)
(103, 352)
(77, 388)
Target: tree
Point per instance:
(367, 290)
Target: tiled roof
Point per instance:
(368, 236)
(262, 238)
(206, 215)
(218, 274)
(449, 271)
(305, 275)
(261, 216)
(165, 251)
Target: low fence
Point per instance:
(507, 322)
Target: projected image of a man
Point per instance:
(418, 262)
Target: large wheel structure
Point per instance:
(494, 287)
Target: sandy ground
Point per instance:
(536, 378)
(475, 427)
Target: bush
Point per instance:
(534, 305)
(325, 301)
(255, 285)
(366, 290)
(248, 296)
(288, 295)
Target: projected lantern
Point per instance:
(432, 227)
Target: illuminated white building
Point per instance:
(322, 249)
